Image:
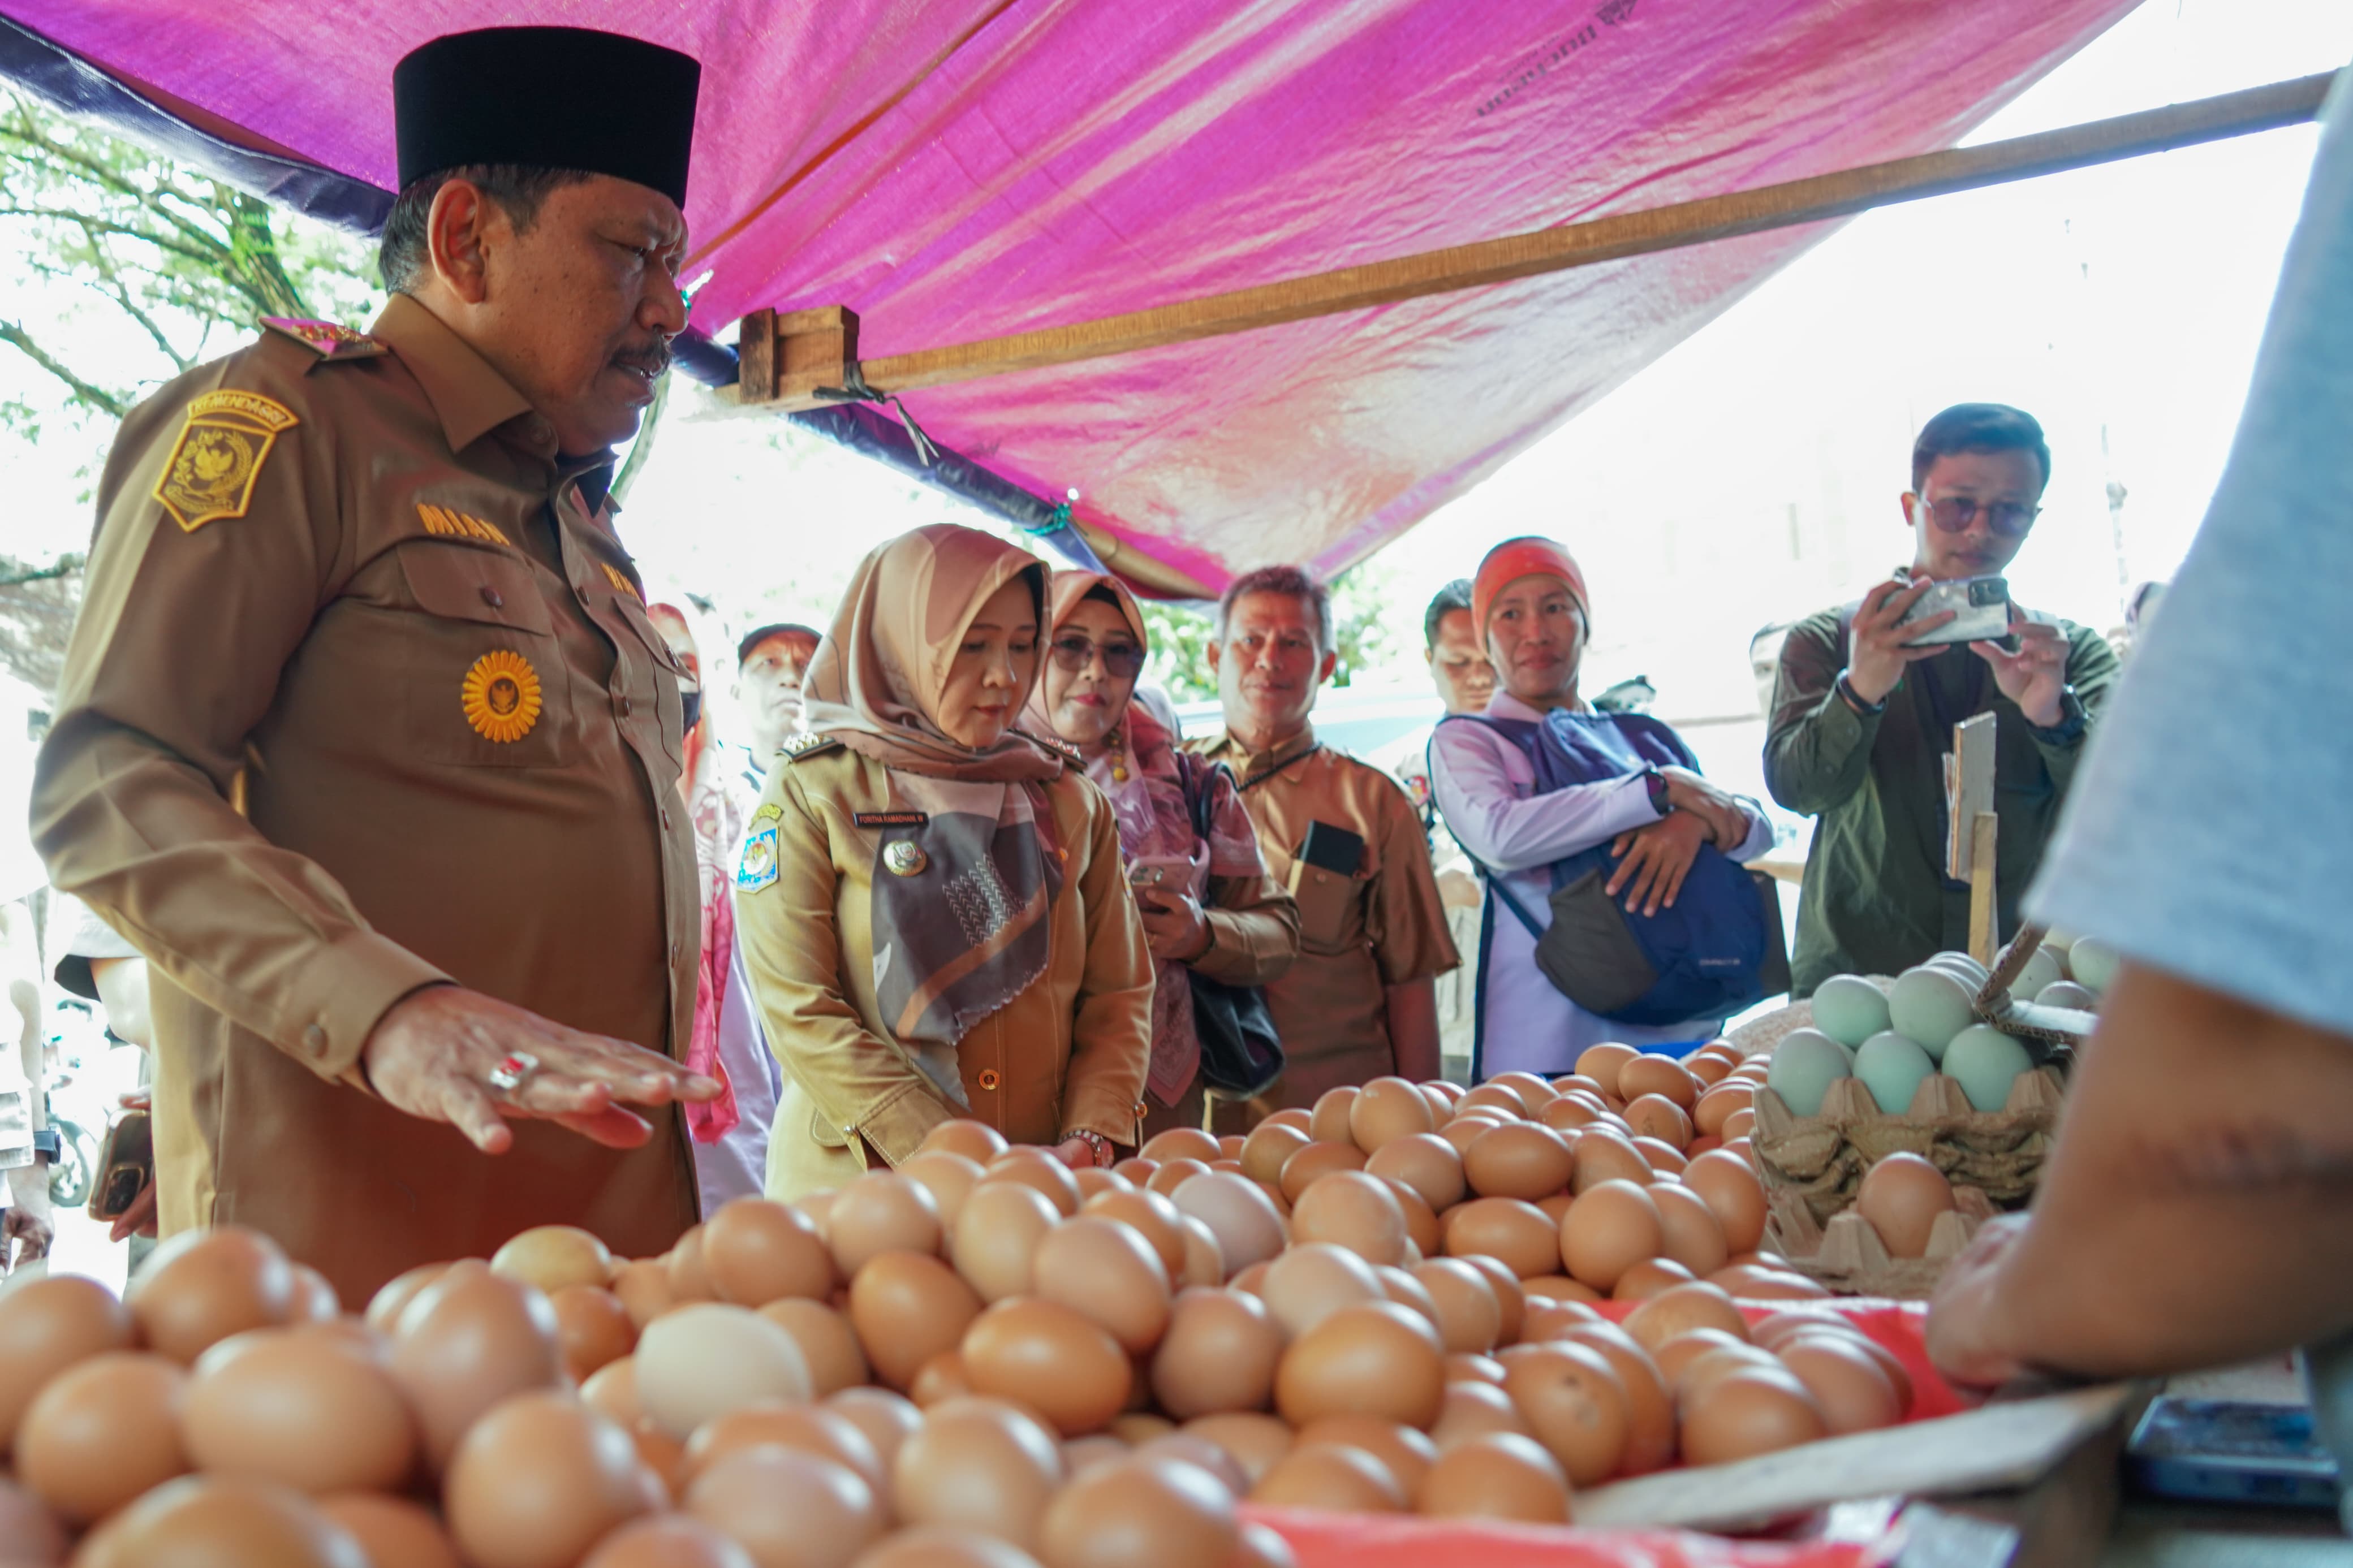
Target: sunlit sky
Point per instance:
(1748, 476)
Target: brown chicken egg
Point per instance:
(879, 1212)
(1314, 1163)
(1037, 1168)
(1674, 1356)
(1718, 1104)
(1294, 1116)
(1748, 1282)
(393, 1532)
(1205, 1262)
(1354, 1210)
(1660, 1076)
(392, 1299)
(1426, 1162)
(828, 1343)
(1462, 1130)
(1374, 1359)
(1334, 1479)
(1568, 1112)
(1462, 1367)
(1173, 1174)
(1267, 1149)
(1691, 1233)
(1496, 1097)
(204, 1522)
(886, 1419)
(642, 1287)
(1405, 1453)
(1605, 1155)
(1753, 1411)
(1847, 1385)
(805, 1428)
(1135, 1171)
(1707, 1067)
(661, 1454)
(690, 1280)
(1517, 1235)
(995, 1246)
(1650, 1407)
(299, 1409)
(1469, 1319)
(1603, 1063)
(1241, 1216)
(101, 1432)
(1656, 1117)
(46, 1326)
(664, 1541)
(1254, 1442)
(469, 1339)
(1495, 1475)
(1732, 1194)
(788, 1508)
(1901, 1197)
(1421, 1227)
(1705, 1370)
(1182, 1143)
(1138, 1513)
(1309, 1281)
(1328, 1121)
(756, 1252)
(1051, 1358)
(981, 1465)
(1387, 1110)
(592, 1328)
(550, 1258)
(1682, 1309)
(538, 1480)
(1093, 1181)
(1574, 1404)
(613, 1390)
(1511, 1296)
(1612, 1226)
(907, 1308)
(201, 1286)
(941, 1378)
(1138, 1427)
(1650, 1276)
(1151, 1217)
(933, 1548)
(974, 1141)
(1881, 1356)
(1219, 1353)
(1108, 1273)
(1473, 1409)
(1533, 1091)
(1524, 1159)
(1736, 1129)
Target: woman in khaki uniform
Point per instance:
(1206, 900)
(930, 903)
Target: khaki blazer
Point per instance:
(1065, 1055)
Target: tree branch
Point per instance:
(126, 231)
(84, 393)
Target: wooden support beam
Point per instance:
(1558, 249)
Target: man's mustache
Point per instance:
(652, 359)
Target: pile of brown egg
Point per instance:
(981, 1359)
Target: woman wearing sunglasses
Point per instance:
(1206, 900)
(930, 903)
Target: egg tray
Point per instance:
(1813, 1166)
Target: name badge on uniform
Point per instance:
(757, 867)
(889, 818)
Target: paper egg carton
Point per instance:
(1812, 1167)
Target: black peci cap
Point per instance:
(547, 98)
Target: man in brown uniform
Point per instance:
(365, 739)
(1359, 1000)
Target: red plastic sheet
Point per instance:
(958, 169)
(1374, 1541)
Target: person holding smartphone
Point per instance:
(1865, 702)
(1206, 900)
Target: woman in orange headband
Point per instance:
(1529, 604)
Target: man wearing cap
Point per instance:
(1359, 1002)
(364, 740)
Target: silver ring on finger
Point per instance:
(514, 1070)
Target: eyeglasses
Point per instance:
(2008, 518)
(1124, 660)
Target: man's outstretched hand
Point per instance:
(433, 1053)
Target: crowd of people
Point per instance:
(434, 871)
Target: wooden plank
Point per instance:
(1968, 792)
(1983, 939)
(1812, 200)
(1998, 1447)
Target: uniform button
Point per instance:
(314, 1039)
(665, 818)
(673, 949)
(623, 704)
(493, 598)
(988, 1078)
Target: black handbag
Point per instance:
(1241, 1056)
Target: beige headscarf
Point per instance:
(876, 681)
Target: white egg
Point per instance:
(2093, 964)
(705, 1359)
(2043, 969)
(2066, 993)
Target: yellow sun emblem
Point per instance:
(501, 696)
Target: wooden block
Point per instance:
(814, 349)
(755, 358)
(1968, 795)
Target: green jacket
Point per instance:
(1876, 901)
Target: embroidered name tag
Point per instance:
(891, 819)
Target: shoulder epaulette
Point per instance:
(328, 340)
(803, 744)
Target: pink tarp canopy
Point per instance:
(959, 169)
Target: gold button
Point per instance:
(989, 1079)
(314, 1039)
(1139, 1110)
(491, 597)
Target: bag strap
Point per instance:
(1257, 779)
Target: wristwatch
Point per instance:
(1854, 698)
(1656, 782)
(2073, 720)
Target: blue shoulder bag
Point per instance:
(1719, 950)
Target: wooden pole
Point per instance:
(1558, 249)
(1985, 837)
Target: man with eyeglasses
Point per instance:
(1861, 719)
(1359, 1002)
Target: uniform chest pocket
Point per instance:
(1331, 915)
(484, 682)
(660, 683)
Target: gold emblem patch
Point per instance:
(621, 584)
(901, 858)
(443, 523)
(500, 695)
(218, 456)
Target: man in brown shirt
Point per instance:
(1359, 1001)
(365, 739)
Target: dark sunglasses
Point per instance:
(1124, 660)
(2008, 518)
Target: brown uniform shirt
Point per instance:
(1065, 1055)
(1382, 927)
(366, 700)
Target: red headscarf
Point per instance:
(1517, 558)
